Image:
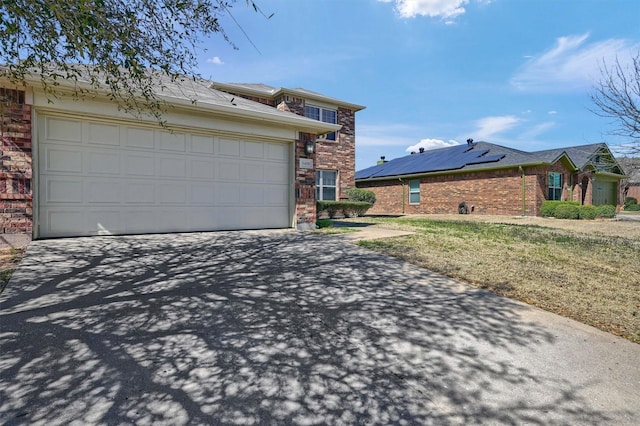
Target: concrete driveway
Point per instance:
(283, 327)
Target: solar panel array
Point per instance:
(450, 158)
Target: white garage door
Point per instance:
(100, 178)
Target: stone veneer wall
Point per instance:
(496, 192)
(16, 201)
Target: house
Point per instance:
(492, 179)
(335, 152)
(83, 167)
(631, 185)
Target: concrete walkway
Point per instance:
(285, 327)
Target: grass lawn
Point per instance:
(9, 259)
(590, 274)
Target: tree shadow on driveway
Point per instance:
(266, 328)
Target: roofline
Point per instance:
(613, 175)
(284, 91)
(300, 123)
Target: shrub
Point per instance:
(548, 208)
(588, 212)
(348, 208)
(323, 223)
(567, 211)
(364, 195)
(632, 208)
(606, 211)
(630, 201)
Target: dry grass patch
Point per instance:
(9, 259)
(590, 278)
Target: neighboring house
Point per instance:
(76, 168)
(492, 179)
(335, 152)
(631, 185)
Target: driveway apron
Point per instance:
(282, 327)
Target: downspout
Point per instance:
(402, 183)
(524, 191)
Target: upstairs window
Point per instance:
(324, 115)
(414, 192)
(555, 186)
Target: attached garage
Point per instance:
(97, 177)
(219, 164)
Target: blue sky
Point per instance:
(517, 73)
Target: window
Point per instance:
(326, 185)
(414, 192)
(324, 115)
(555, 186)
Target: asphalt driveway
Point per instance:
(283, 327)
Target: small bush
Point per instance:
(548, 208)
(632, 208)
(364, 195)
(567, 211)
(606, 211)
(323, 223)
(630, 201)
(588, 212)
(348, 208)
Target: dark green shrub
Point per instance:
(588, 212)
(630, 201)
(567, 211)
(606, 211)
(632, 208)
(548, 208)
(357, 194)
(323, 223)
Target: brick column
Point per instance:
(16, 201)
(305, 185)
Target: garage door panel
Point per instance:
(62, 160)
(103, 163)
(63, 130)
(62, 190)
(100, 178)
(140, 193)
(102, 192)
(139, 165)
(103, 134)
(139, 138)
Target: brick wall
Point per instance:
(496, 192)
(305, 189)
(16, 208)
(340, 154)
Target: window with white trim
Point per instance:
(324, 115)
(414, 192)
(326, 188)
(555, 186)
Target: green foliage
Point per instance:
(323, 223)
(567, 211)
(630, 201)
(632, 208)
(126, 49)
(357, 194)
(348, 208)
(606, 211)
(588, 212)
(548, 208)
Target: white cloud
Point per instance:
(445, 9)
(536, 130)
(571, 64)
(428, 144)
(552, 112)
(487, 127)
(215, 60)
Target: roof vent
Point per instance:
(469, 141)
(413, 152)
(421, 150)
